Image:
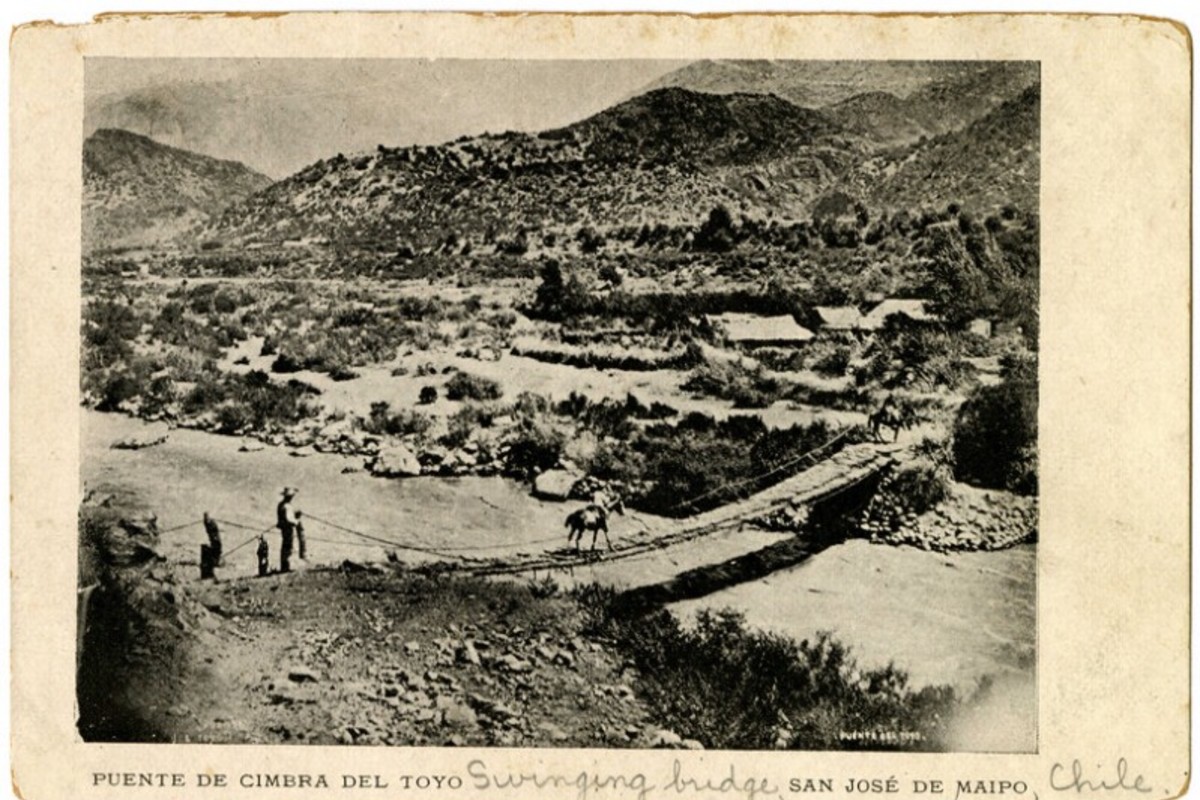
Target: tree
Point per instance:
(995, 432)
(716, 234)
(611, 275)
(558, 295)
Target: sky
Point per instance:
(279, 115)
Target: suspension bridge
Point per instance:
(823, 479)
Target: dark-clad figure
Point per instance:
(285, 520)
(214, 538)
(300, 535)
(264, 556)
(210, 554)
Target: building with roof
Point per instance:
(838, 318)
(753, 330)
(915, 310)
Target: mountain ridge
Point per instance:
(140, 192)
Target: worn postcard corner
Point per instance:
(641, 406)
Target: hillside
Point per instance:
(887, 103)
(139, 192)
(677, 125)
(993, 161)
(667, 156)
(814, 83)
(881, 117)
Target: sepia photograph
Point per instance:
(560, 403)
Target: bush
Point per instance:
(533, 448)
(835, 361)
(117, 390)
(995, 435)
(428, 394)
(717, 233)
(403, 423)
(465, 386)
(285, 363)
(730, 687)
(340, 373)
(728, 380)
(920, 485)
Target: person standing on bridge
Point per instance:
(285, 520)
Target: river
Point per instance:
(195, 471)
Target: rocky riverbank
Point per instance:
(967, 518)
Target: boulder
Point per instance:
(467, 654)
(395, 461)
(151, 436)
(664, 738)
(554, 484)
(552, 732)
(432, 456)
(302, 674)
(457, 714)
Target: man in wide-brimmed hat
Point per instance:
(285, 520)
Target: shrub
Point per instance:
(465, 386)
(534, 447)
(746, 387)
(340, 373)
(717, 233)
(995, 435)
(285, 363)
(920, 485)
(728, 686)
(117, 390)
(835, 361)
(428, 394)
(402, 423)
(233, 419)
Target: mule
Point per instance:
(592, 517)
(889, 415)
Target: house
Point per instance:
(980, 327)
(753, 330)
(838, 318)
(915, 310)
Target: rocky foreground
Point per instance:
(360, 654)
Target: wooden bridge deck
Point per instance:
(841, 471)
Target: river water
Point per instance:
(194, 471)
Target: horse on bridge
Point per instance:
(890, 414)
(592, 517)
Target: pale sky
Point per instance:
(279, 115)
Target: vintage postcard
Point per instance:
(602, 407)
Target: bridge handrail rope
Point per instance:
(379, 539)
(174, 528)
(755, 478)
(253, 538)
(452, 551)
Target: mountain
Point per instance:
(881, 117)
(887, 103)
(137, 191)
(671, 125)
(949, 105)
(814, 83)
(992, 161)
(667, 156)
